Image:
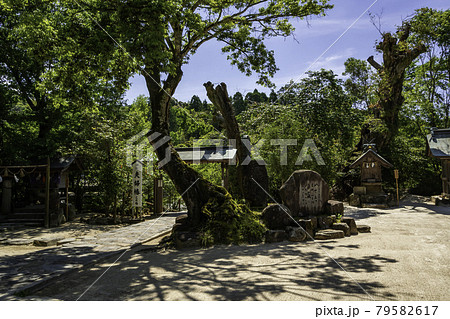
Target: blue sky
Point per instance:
(295, 57)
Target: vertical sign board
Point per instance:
(396, 182)
(137, 183)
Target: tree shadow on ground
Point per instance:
(260, 272)
(426, 207)
(21, 271)
(362, 213)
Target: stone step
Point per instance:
(329, 234)
(26, 216)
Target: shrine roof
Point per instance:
(371, 153)
(438, 143)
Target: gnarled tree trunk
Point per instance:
(194, 190)
(397, 56)
(252, 177)
(211, 210)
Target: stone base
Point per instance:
(376, 200)
(372, 188)
(359, 190)
(325, 222)
(309, 226)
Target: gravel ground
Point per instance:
(404, 258)
(20, 241)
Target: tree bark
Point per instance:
(194, 190)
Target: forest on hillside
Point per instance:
(63, 80)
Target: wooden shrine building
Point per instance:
(438, 146)
(370, 163)
(370, 193)
(32, 194)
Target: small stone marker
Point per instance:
(329, 234)
(305, 193)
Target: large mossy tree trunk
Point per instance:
(194, 190)
(211, 209)
(398, 54)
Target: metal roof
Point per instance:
(439, 143)
(207, 154)
(372, 152)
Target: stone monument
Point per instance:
(305, 193)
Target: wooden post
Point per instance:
(396, 181)
(222, 168)
(47, 194)
(67, 196)
(6, 196)
(158, 195)
(227, 184)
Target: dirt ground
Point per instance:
(404, 258)
(74, 229)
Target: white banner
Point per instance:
(137, 184)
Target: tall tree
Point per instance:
(195, 103)
(427, 86)
(162, 35)
(51, 75)
(398, 54)
(239, 104)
